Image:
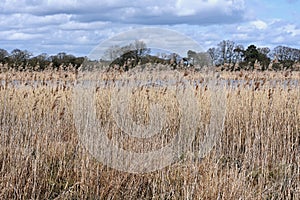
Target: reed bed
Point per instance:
(256, 157)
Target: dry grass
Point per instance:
(256, 157)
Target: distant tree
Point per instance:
(238, 53)
(252, 54)
(264, 50)
(214, 55)
(19, 58)
(3, 55)
(129, 55)
(63, 59)
(199, 58)
(127, 60)
(78, 61)
(284, 53)
(140, 49)
(226, 51)
(222, 50)
(39, 62)
(112, 53)
(229, 50)
(57, 60)
(264, 57)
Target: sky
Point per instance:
(77, 27)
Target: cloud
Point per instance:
(259, 24)
(19, 36)
(191, 7)
(292, 30)
(76, 26)
(181, 12)
(155, 38)
(138, 12)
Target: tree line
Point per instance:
(23, 60)
(226, 53)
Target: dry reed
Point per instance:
(256, 157)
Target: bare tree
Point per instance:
(264, 50)
(222, 50)
(214, 55)
(140, 49)
(128, 55)
(113, 52)
(3, 55)
(229, 50)
(226, 49)
(238, 53)
(284, 53)
(18, 56)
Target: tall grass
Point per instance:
(256, 157)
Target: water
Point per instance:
(231, 83)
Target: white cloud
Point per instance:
(139, 12)
(19, 36)
(78, 26)
(292, 29)
(24, 20)
(252, 26)
(192, 7)
(73, 25)
(259, 24)
(22, 36)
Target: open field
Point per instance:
(256, 157)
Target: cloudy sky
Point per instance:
(77, 26)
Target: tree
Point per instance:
(40, 62)
(113, 52)
(238, 53)
(18, 56)
(222, 50)
(140, 49)
(214, 55)
(229, 50)
(130, 54)
(226, 51)
(264, 50)
(263, 57)
(62, 58)
(284, 53)
(252, 54)
(3, 56)
(200, 58)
